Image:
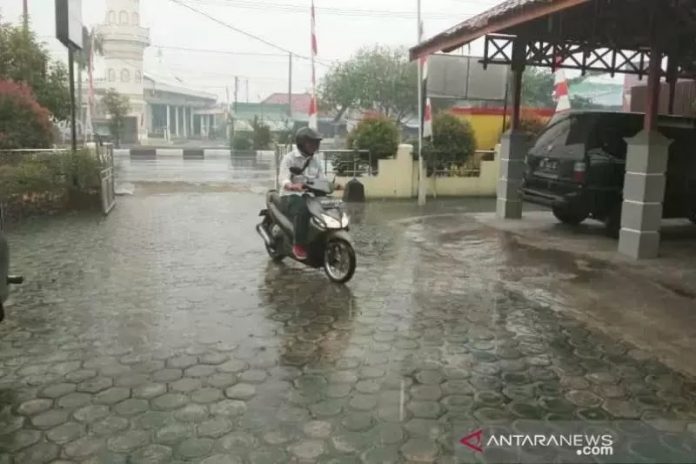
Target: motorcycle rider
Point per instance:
(307, 141)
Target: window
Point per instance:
(112, 75)
(123, 17)
(125, 75)
(135, 19)
(112, 17)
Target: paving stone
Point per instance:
(50, 418)
(338, 391)
(149, 390)
(241, 391)
(357, 421)
(91, 413)
(426, 392)
(206, 395)
(112, 395)
(74, 400)
(131, 407)
(167, 375)
(424, 428)
(621, 409)
(169, 401)
(269, 456)
(222, 459)
(128, 441)
(152, 454)
(425, 409)
(307, 449)
(390, 434)
(174, 433)
(21, 439)
(33, 407)
(583, 398)
(253, 376)
(232, 366)
(420, 450)
(131, 380)
(382, 455)
(192, 413)
(95, 384)
(237, 442)
(182, 362)
(195, 447)
(215, 427)
(57, 390)
(326, 408)
(230, 408)
(200, 370)
(221, 379)
(351, 442)
(65, 433)
(38, 454)
(317, 429)
(109, 425)
(363, 402)
(83, 447)
(153, 419)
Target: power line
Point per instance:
(222, 52)
(294, 8)
(236, 29)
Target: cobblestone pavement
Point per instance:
(163, 334)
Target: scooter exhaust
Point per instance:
(264, 235)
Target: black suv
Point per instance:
(578, 163)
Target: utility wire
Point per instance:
(236, 29)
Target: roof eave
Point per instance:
(448, 42)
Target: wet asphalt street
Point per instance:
(164, 334)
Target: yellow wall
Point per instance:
(487, 127)
(398, 178)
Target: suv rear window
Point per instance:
(564, 140)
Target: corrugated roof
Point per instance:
(507, 14)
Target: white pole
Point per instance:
(421, 174)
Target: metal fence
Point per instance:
(444, 165)
(353, 163)
(105, 154)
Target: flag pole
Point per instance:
(313, 110)
(421, 174)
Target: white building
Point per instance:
(161, 109)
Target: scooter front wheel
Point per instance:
(339, 260)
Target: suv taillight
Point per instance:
(580, 172)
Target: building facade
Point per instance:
(161, 110)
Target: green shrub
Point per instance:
(377, 134)
(81, 171)
(261, 135)
(242, 141)
(23, 122)
(453, 139)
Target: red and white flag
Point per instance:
(561, 91)
(313, 110)
(427, 110)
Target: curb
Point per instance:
(153, 154)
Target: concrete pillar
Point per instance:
(176, 120)
(185, 121)
(193, 126)
(168, 135)
(644, 192)
(513, 150)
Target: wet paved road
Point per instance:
(163, 334)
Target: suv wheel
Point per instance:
(692, 218)
(569, 216)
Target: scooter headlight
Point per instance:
(331, 223)
(345, 220)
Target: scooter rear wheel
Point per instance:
(339, 261)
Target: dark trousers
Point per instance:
(296, 209)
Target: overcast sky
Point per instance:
(342, 28)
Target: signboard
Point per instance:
(69, 23)
(463, 78)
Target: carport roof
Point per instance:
(601, 35)
(500, 17)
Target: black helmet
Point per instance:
(306, 134)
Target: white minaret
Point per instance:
(124, 43)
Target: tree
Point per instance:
(378, 134)
(92, 43)
(117, 107)
(23, 59)
(538, 87)
(378, 79)
(23, 122)
(453, 138)
(261, 135)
